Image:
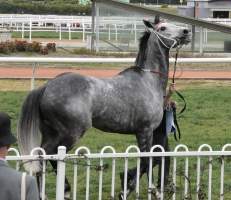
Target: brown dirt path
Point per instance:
(44, 72)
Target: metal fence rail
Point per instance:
(110, 28)
(205, 151)
(37, 60)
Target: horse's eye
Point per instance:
(163, 28)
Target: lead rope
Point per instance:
(175, 63)
(181, 96)
(173, 81)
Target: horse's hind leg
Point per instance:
(67, 188)
(50, 143)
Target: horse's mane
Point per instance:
(141, 57)
(142, 49)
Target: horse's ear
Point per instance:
(147, 23)
(157, 19)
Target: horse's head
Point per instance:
(169, 34)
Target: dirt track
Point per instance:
(21, 72)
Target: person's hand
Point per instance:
(171, 89)
(167, 100)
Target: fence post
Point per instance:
(30, 31)
(34, 65)
(60, 179)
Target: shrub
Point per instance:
(11, 46)
(28, 47)
(36, 46)
(44, 50)
(51, 46)
(21, 45)
(24, 46)
(3, 48)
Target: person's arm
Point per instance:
(31, 189)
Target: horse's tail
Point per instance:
(29, 135)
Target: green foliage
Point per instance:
(61, 7)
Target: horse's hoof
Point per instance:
(121, 196)
(67, 196)
(46, 198)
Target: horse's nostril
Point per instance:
(185, 31)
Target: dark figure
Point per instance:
(10, 179)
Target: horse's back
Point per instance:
(66, 102)
(122, 104)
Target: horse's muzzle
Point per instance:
(184, 39)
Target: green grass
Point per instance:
(206, 120)
(47, 34)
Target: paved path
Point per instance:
(21, 72)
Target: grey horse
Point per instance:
(60, 112)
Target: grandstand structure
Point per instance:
(206, 9)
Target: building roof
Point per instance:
(209, 0)
(200, 0)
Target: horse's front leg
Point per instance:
(131, 181)
(166, 166)
(144, 140)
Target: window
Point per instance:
(220, 14)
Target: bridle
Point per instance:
(160, 36)
(175, 42)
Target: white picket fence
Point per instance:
(204, 152)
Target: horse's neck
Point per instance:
(156, 59)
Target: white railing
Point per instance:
(36, 60)
(104, 60)
(67, 24)
(205, 151)
(108, 28)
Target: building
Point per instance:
(155, 2)
(206, 9)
